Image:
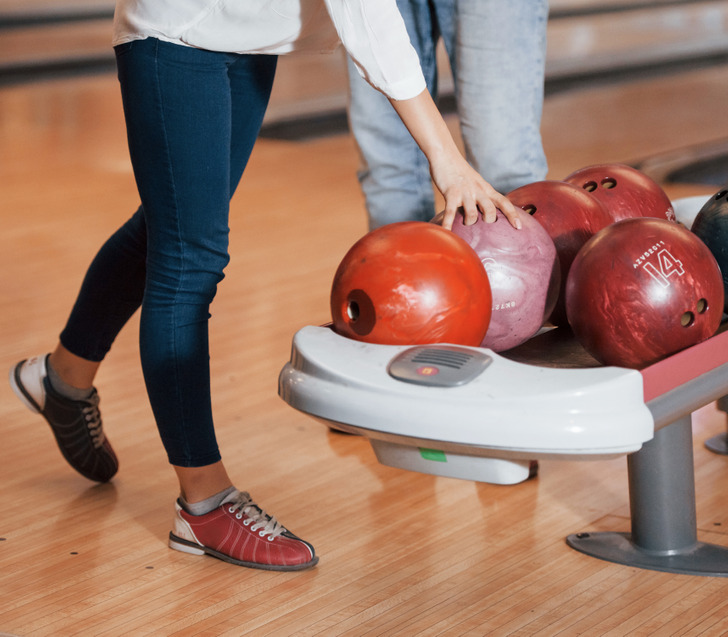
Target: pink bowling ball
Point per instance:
(524, 274)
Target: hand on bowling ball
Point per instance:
(463, 188)
(468, 194)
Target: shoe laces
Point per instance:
(92, 416)
(257, 519)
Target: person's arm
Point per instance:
(462, 187)
(375, 37)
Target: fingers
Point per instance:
(448, 217)
(489, 210)
(467, 193)
(470, 209)
(487, 204)
(510, 211)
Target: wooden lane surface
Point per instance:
(401, 553)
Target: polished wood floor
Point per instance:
(401, 553)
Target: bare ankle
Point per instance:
(73, 370)
(199, 483)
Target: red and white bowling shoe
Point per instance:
(240, 532)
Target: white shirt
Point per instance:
(372, 32)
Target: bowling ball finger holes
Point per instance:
(359, 312)
(607, 184)
(688, 318)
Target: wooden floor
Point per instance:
(401, 553)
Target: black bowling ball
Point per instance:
(711, 226)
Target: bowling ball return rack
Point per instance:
(470, 413)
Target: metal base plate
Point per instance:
(700, 559)
(718, 444)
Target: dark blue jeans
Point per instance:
(192, 119)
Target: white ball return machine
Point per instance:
(469, 413)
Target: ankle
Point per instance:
(199, 483)
(72, 370)
(208, 504)
(63, 388)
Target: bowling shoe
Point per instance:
(76, 424)
(240, 532)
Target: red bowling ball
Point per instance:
(570, 216)
(524, 275)
(411, 283)
(624, 191)
(642, 289)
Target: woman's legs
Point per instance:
(192, 118)
(111, 292)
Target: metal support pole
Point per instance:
(662, 490)
(662, 505)
(719, 443)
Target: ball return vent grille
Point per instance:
(438, 365)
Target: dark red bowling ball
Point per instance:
(411, 283)
(642, 289)
(570, 216)
(624, 191)
(524, 275)
(711, 225)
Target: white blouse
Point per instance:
(372, 32)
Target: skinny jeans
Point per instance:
(192, 119)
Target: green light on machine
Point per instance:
(433, 454)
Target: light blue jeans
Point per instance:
(497, 52)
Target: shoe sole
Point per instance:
(180, 544)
